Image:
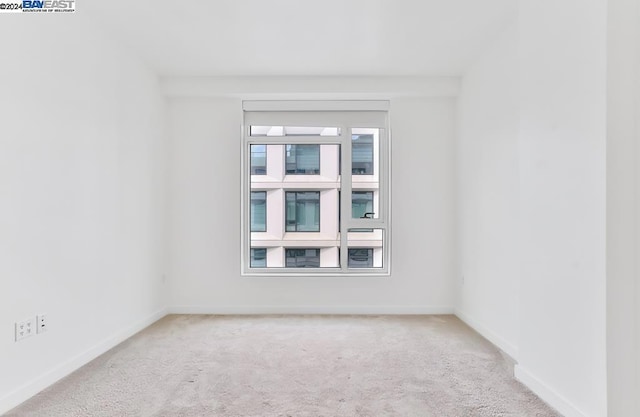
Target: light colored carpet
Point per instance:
(295, 366)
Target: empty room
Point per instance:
(300, 208)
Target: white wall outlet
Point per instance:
(25, 328)
(41, 323)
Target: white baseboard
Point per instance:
(275, 309)
(547, 394)
(31, 388)
(504, 345)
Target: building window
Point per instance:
(282, 150)
(258, 211)
(258, 159)
(302, 159)
(360, 257)
(302, 258)
(258, 257)
(303, 211)
(362, 154)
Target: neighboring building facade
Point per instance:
(295, 201)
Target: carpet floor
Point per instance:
(295, 366)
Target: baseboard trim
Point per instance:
(546, 393)
(31, 388)
(504, 345)
(275, 309)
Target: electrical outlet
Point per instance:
(25, 328)
(41, 323)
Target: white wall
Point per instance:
(562, 342)
(532, 172)
(487, 163)
(205, 219)
(81, 197)
(623, 227)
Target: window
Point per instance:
(258, 257)
(303, 159)
(362, 154)
(310, 230)
(362, 204)
(294, 131)
(258, 159)
(303, 211)
(258, 211)
(302, 258)
(360, 257)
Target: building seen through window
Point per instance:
(298, 219)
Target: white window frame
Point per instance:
(346, 115)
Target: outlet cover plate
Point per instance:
(41, 323)
(25, 328)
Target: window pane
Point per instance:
(303, 159)
(294, 131)
(303, 211)
(258, 257)
(362, 154)
(258, 211)
(365, 248)
(362, 204)
(291, 212)
(258, 159)
(308, 212)
(302, 258)
(360, 257)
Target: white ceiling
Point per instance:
(302, 37)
